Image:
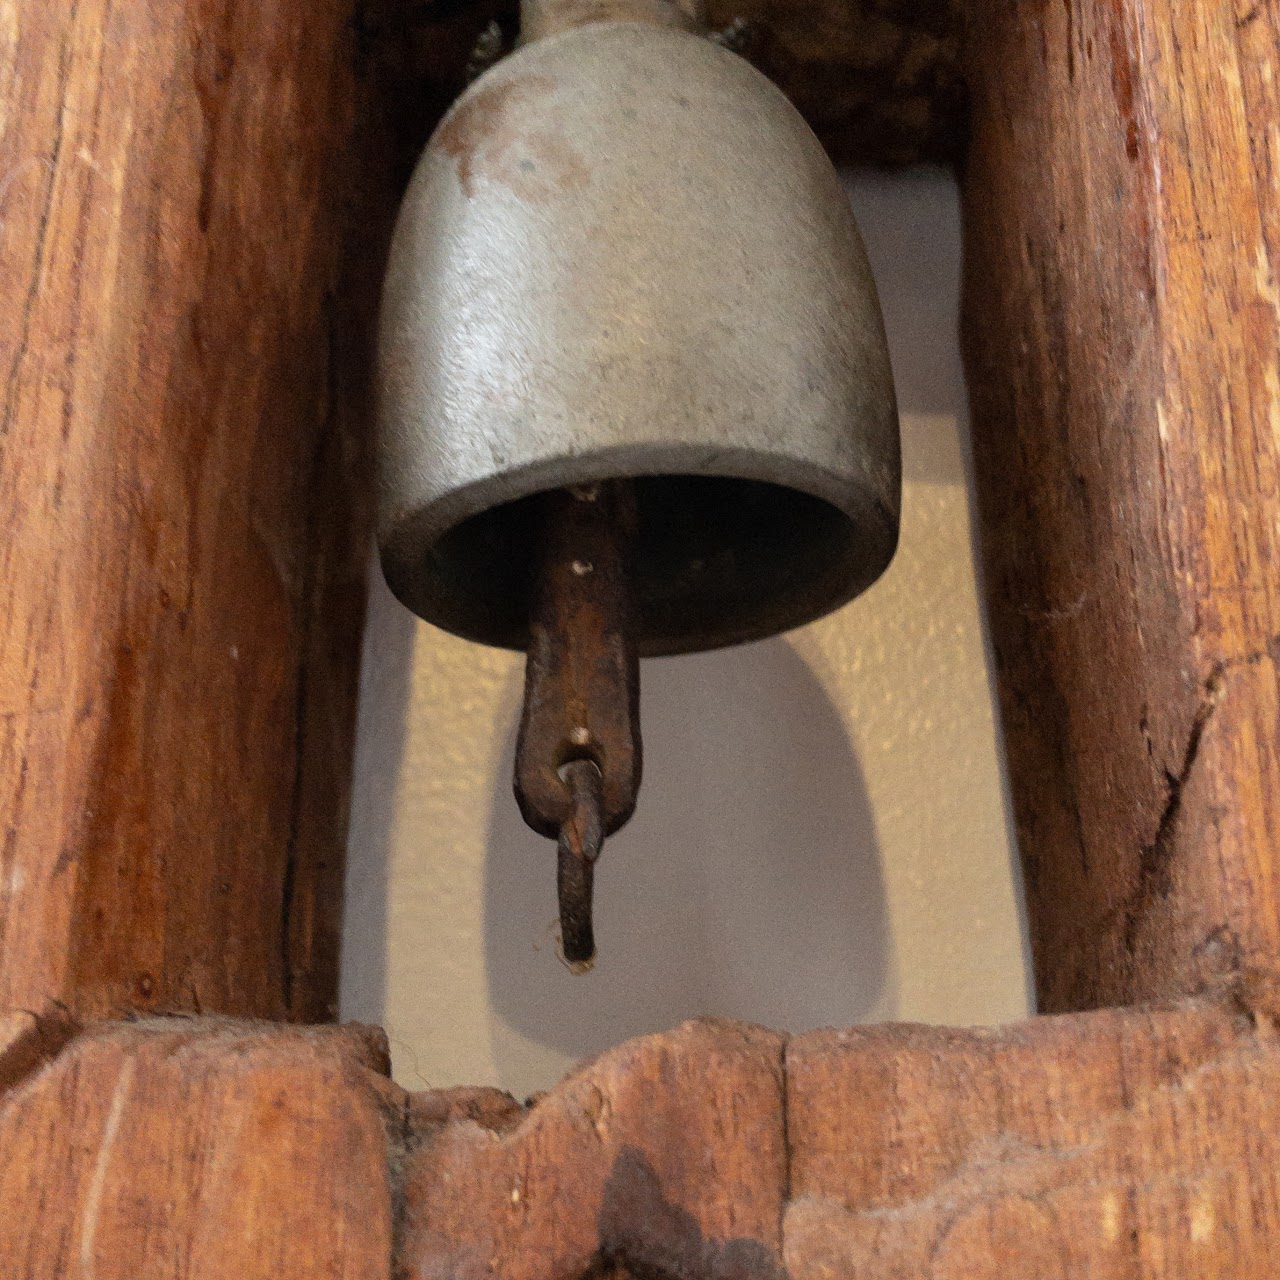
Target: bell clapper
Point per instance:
(579, 847)
(578, 756)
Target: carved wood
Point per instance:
(1122, 323)
(1118, 1145)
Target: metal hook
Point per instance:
(581, 837)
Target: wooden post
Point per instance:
(1115, 1145)
(1122, 324)
(182, 565)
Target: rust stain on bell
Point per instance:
(489, 137)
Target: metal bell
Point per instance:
(624, 253)
(625, 256)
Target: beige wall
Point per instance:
(822, 837)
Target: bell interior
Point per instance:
(717, 561)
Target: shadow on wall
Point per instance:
(745, 886)
(385, 693)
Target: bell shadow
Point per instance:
(748, 884)
(384, 702)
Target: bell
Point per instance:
(634, 392)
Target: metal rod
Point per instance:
(580, 840)
(578, 757)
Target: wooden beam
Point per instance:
(666, 1156)
(1122, 324)
(1113, 1145)
(1118, 1145)
(183, 562)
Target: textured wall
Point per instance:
(822, 835)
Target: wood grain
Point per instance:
(664, 1157)
(1122, 325)
(1120, 1145)
(182, 571)
(27, 1041)
(199, 1150)
(1115, 1145)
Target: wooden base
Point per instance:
(1111, 1145)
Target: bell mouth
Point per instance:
(718, 560)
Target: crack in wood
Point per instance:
(1156, 858)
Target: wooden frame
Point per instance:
(195, 205)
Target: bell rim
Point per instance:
(870, 522)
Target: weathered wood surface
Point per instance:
(183, 561)
(1122, 326)
(27, 1041)
(1118, 1145)
(1106, 1146)
(878, 80)
(666, 1156)
(185, 1148)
